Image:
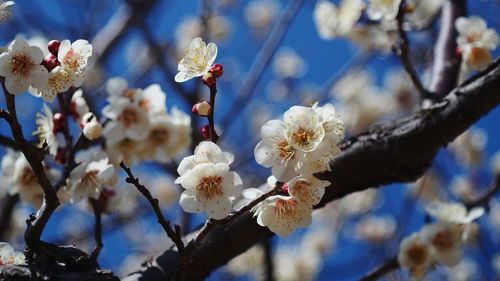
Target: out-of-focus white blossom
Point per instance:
(291, 266)
(45, 130)
(373, 38)
(8, 256)
(361, 202)
(463, 188)
(288, 64)
(6, 10)
(421, 12)
(415, 254)
(20, 65)
(426, 187)
(455, 213)
(469, 146)
(332, 21)
(383, 9)
(466, 270)
(78, 106)
(376, 229)
(250, 263)
(260, 14)
(197, 61)
(446, 241)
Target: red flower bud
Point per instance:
(217, 70)
(202, 108)
(58, 122)
(284, 188)
(61, 156)
(50, 62)
(205, 132)
(209, 79)
(54, 47)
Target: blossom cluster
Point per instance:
(9, 256)
(439, 242)
(139, 127)
(302, 144)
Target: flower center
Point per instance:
(210, 186)
(302, 136)
(128, 117)
(90, 179)
(58, 81)
(159, 136)
(22, 65)
(285, 208)
(417, 254)
(443, 240)
(72, 60)
(285, 150)
(302, 190)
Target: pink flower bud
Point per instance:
(50, 62)
(202, 108)
(54, 47)
(217, 70)
(284, 188)
(91, 128)
(205, 132)
(209, 79)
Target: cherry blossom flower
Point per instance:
(373, 38)
(446, 240)
(455, 213)
(205, 152)
(21, 67)
(209, 188)
(376, 229)
(60, 80)
(422, 12)
(332, 21)
(282, 214)
(8, 256)
(416, 254)
(307, 189)
(74, 58)
(260, 14)
(197, 61)
(46, 131)
(5, 10)
(91, 176)
(91, 128)
(288, 64)
(383, 9)
(128, 120)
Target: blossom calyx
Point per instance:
(217, 70)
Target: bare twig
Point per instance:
(174, 235)
(7, 204)
(98, 229)
(386, 268)
(8, 142)
(213, 134)
(403, 51)
(36, 223)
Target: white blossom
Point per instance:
(446, 241)
(455, 213)
(197, 61)
(209, 188)
(288, 64)
(383, 9)
(20, 65)
(60, 80)
(416, 254)
(332, 21)
(8, 256)
(376, 229)
(307, 189)
(128, 120)
(282, 214)
(422, 12)
(260, 14)
(74, 58)
(91, 176)
(45, 130)
(78, 106)
(205, 152)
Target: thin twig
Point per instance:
(213, 134)
(403, 51)
(175, 235)
(8, 142)
(36, 223)
(383, 270)
(268, 259)
(62, 98)
(98, 229)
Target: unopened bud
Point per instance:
(53, 46)
(61, 156)
(205, 132)
(50, 62)
(202, 108)
(91, 128)
(58, 122)
(208, 79)
(284, 188)
(217, 70)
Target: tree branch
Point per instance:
(7, 204)
(398, 151)
(378, 273)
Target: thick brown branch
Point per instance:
(399, 151)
